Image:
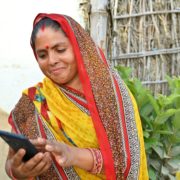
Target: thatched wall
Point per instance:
(145, 35)
(147, 38)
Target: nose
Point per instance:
(53, 59)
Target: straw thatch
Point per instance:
(144, 35)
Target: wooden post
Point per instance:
(98, 23)
(84, 10)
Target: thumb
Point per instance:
(49, 148)
(54, 148)
(61, 160)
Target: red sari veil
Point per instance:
(109, 102)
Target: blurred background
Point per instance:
(18, 67)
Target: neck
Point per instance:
(76, 84)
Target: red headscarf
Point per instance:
(108, 101)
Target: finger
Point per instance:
(32, 163)
(48, 157)
(17, 159)
(54, 146)
(45, 168)
(11, 152)
(43, 165)
(38, 142)
(60, 160)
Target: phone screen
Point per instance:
(17, 141)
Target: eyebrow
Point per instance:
(53, 47)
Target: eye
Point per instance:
(61, 50)
(41, 55)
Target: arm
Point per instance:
(87, 159)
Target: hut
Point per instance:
(141, 34)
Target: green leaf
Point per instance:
(154, 103)
(146, 134)
(152, 173)
(164, 132)
(150, 142)
(164, 171)
(175, 151)
(124, 72)
(163, 117)
(176, 120)
(171, 177)
(174, 84)
(170, 101)
(146, 110)
(177, 102)
(159, 151)
(175, 138)
(174, 164)
(156, 164)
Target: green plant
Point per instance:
(161, 125)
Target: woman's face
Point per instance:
(56, 57)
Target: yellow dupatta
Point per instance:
(75, 123)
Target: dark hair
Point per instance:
(45, 22)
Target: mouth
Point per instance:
(56, 71)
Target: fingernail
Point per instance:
(49, 148)
(41, 140)
(40, 155)
(60, 161)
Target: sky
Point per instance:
(18, 67)
(16, 18)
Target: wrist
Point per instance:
(82, 158)
(11, 175)
(97, 161)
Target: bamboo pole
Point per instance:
(147, 53)
(98, 23)
(115, 30)
(141, 37)
(147, 14)
(84, 8)
(174, 35)
(128, 30)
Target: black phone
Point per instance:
(17, 141)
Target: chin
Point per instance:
(58, 82)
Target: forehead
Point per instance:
(49, 30)
(48, 37)
(49, 33)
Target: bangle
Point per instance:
(97, 161)
(11, 174)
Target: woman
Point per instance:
(82, 117)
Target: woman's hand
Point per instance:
(37, 165)
(67, 156)
(62, 153)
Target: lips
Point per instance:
(57, 70)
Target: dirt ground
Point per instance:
(3, 146)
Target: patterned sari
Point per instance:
(105, 116)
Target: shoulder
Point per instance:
(24, 108)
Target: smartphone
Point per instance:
(17, 141)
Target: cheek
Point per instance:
(42, 66)
(74, 68)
